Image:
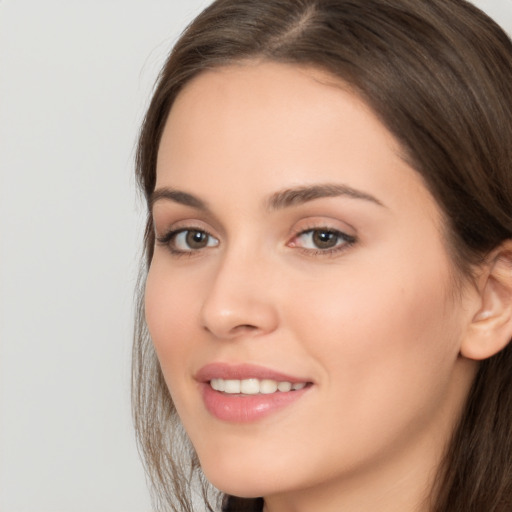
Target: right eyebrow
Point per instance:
(177, 196)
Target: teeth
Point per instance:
(218, 384)
(268, 386)
(254, 386)
(249, 386)
(231, 386)
(284, 386)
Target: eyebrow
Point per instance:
(279, 200)
(177, 196)
(300, 195)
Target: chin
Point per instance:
(238, 480)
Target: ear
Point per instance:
(491, 327)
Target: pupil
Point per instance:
(196, 239)
(324, 239)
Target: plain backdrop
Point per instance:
(75, 78)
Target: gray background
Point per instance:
(75, 78)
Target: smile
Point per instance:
(245, 393)
(254, 386)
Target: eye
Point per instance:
(188, 240)
(322, 240)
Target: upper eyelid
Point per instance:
(178, 212)
(318, 223)
(165, 222)
(340, 233)
(322, 228)
(182, 225)
(204, 214)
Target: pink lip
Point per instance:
(242, 371)
(245, 408)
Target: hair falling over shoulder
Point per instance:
(438, 74)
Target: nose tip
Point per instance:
(232, 310)
(238, 320)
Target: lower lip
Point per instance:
(247, 408)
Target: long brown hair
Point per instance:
(438, 74)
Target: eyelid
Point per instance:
(348, 240)
(167, 214)
(174, 231)
(340, 234)
(168, 235)
(166, 225)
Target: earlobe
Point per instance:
(491, 327)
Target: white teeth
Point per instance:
(254, 386)
(232, 386)
(250, 386)
(268, 386)
(284, 386)
(218, 384)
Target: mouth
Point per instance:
(255, 386)
(247, 393)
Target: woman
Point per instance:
(328, 301)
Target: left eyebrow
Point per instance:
(300, 195)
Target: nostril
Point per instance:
(244, 328)
(238, 329)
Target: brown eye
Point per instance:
(190, 240)
(196, 239)
(324, 239)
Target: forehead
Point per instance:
(277, 95)
(258, 127)
(268, 108)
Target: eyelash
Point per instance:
(347, 241)
(168, 240)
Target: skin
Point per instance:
(374, 325)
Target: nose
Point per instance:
(240, 300)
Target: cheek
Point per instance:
(386, 363)
(384, 343)
(169, 309)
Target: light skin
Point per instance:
(319, 253)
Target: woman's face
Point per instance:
(297, 250)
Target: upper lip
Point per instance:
(242, 371)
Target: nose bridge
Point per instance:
(239, 299)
